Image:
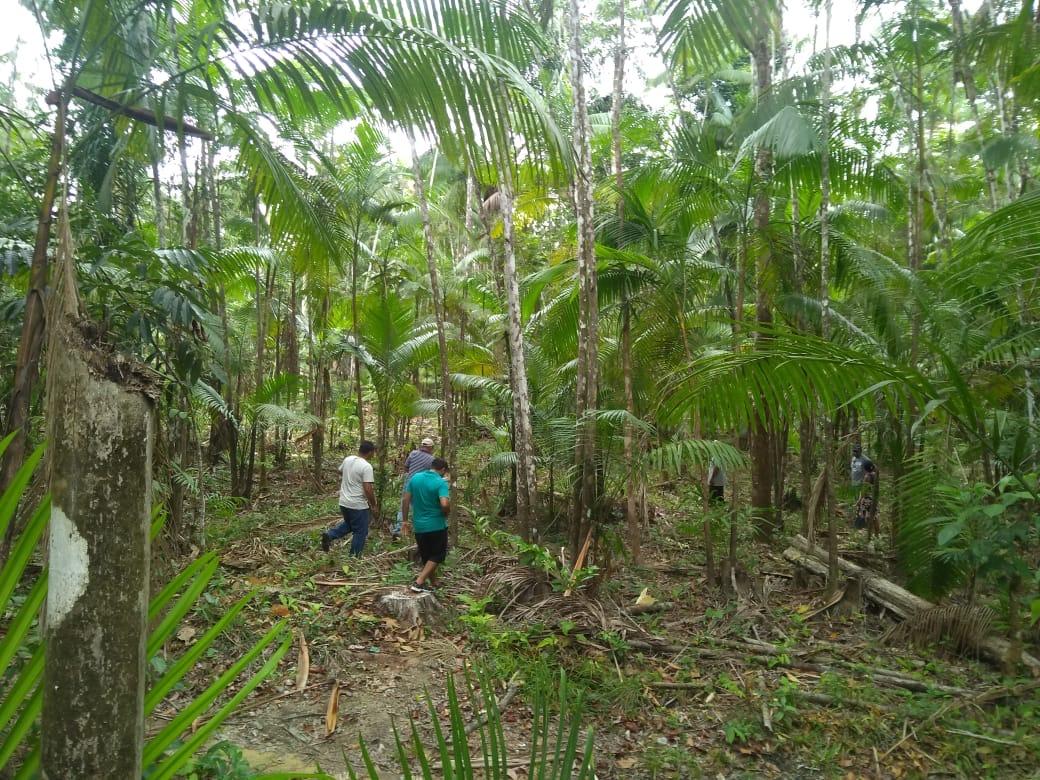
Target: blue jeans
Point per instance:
(355, 521)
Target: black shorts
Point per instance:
(433, 545)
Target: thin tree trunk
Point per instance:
(806, 425)
(182, 148)
(447, 430)
(825, 295)
(264, 291)
(100, 412)
(631, 490)
(762, 426)
(967, 76)
(588, 306)
(319, 397)
(160, 216)
(356, 328)
(30, 342)
(527, 490)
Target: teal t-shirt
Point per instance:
(427, 489)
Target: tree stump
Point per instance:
(101, 428)
(410, 609)
(851, 602)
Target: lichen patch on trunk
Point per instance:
(69, 567)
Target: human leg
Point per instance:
(427, 572)
(359, 525)
(433, 549)
(339, 531)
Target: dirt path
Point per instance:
(376, 690)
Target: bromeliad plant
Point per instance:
(22, 651)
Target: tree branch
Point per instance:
(167, 123)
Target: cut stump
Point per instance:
(410, 609)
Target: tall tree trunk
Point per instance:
(806, 423)
(588, 305)
(356, 325)
(765, 272)
(319, 399)
(967, 75)
(100, 412)
(30, 341)
(825, 295)
(447, 430)
(631, 489)
(527, 491)
(182, 148)
(160, 216)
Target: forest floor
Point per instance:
(766, 683)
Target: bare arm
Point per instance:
(445, 505)
(406, 505)
(370, 494)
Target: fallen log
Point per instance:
(646, 609)
(897, 600)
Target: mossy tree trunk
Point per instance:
(101, 429)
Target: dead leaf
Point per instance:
(303, 664)
(645, 599)
(332, 711)
(280, 610)
(626, 763)
(186, 634)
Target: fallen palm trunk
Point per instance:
(894, 598)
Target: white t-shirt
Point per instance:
(356, 472)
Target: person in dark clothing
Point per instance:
(863, 476)
(716, 484)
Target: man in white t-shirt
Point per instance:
(357, 496)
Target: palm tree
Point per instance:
(405, 62)
(277, 61)
(585, 496)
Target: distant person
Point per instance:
(860, 467)
(427, 494)
(863, 475)
(417, 460)
(357, 498)
(716, 484)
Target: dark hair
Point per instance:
(366, 447)
(439, 464)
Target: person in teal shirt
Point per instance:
(427, 493)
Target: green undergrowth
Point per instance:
(717, 724)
